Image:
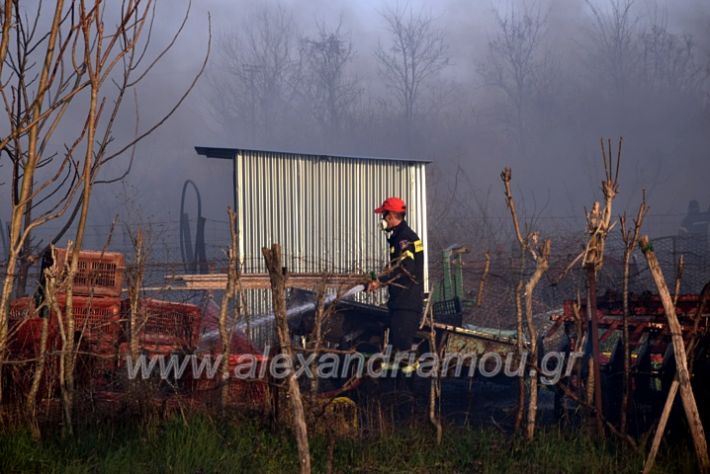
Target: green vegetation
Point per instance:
(205, 445)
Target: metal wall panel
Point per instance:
(320, 209)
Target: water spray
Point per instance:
(293, 312)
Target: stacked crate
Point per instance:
(249, 393)
(96, 307)
(163, 327)
(96, 298)
(25, 348)
(96, 325)
(25, 327)
(98, 273)
(243, 390)
(96, 314)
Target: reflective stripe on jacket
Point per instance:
(406, 289)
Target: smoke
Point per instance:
(463, 122)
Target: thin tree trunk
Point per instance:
(625, 342)
(53, 306)
(277, 275)
(5, 306)
(598, 226)
(18, 210)
(686, 390)
(579, 341)
(37, 376)
(435, 385)
(224, 307)
(67, 385)
(630, 239)
(435, 391)
(506, 176)
(318, 335)
(520, 410)
(591, 382)
(6, 27)
(25, 255)
(137, 319)
(592, 316)
(678, 278)
(540, 268)
(134, 297)
(87, 183)
(66, 356)
(482, 281)
(49, 291)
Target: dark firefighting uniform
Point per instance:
(405, 285)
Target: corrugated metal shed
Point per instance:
(319, 207)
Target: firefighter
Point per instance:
(405, 280)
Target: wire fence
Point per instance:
(166, 257)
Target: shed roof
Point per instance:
(226, 153)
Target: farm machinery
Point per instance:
(564, 330)
(179, 331)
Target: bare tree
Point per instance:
(541, 256)
(514, 60)
(274, 265)
(435, 383)
(254, 84)
(86, 65)
(49, 280)
(229, 293)
(614, 33)
(598, 227)
(629, 53)
(669, 62)
(417, 53)
(630, 238)
(328, 89)
(506, 176)
(136, 321)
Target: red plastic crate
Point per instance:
(22, 375)
(98, 273)
(97, 323)
(22, 308)
(154, 374)
(26, 329)
(244, 393)
(96, 370)
(148, 350)
(165, 323)
(247, 393)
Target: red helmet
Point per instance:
(392, 204)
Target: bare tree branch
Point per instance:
(417, 53)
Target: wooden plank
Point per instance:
(682, 373)
(661, 427)
(474, 333)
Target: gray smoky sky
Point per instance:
(462, 122)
